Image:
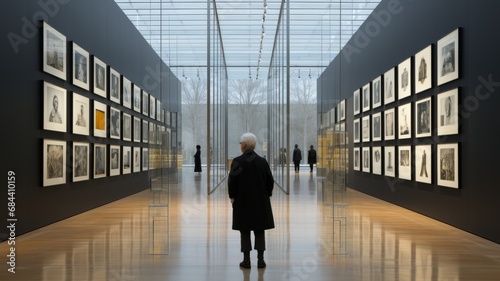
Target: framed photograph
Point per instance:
(81, 111)
(145, 131)
(389, 128)
(99, 161)
(145, 103)
(152, 133)
(114, 85)
(365, 125)
(423, 70)
(162, 116)
(405, 162)
(341, 111)
(158, 110)
(145, 159)
(114, 160)
(423, 163)
(377, 127)
(54, 108)
(356, 130)
(137, 160)
(152, 107)
(389, 86)
(423, 115)
(366, 97)
(54, 162)
(174, 119)
(447, 58)
(389, 161)
(127, 92)
(114, 123)
(81, 159)
(127, 160)
(447, 165)
(167, 118)
(377, 160)
(127, 127)
(356, 102)
(100, 77)
(54, 52)
(81, 66)
(404, 121)
(357, 159)
(404, 79)
(447, 113)
(100, 116)
(366, 159)
(377, 92)
(137, 98)
(137, 129)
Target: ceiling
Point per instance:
(177, 30)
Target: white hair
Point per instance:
(249, 139)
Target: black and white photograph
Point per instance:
(152, 107)
(145, 159)
(423, 70)
(127, 160)
(356, 102)
(365, 126)
(127, 127)
(404, 79)
(404, 121)
(174, 119)
(145, 131)
(54, 162)
(100, 119)
(447, 113)
(447, 58)
(99, 160)
(137, 129)
(447, 165)
(167, 118)
(100, 77)
(114, 123)
(389, 86)
(137, 98)
(54, 52)
(423, 115)
(389, 124)
(404, 162)
(366, 159)
(423, 163)
(81, 158)
(136, 160)
(377, 160)
(54, 108)
(356, 129)
(389, 161)
(152, 133)
(377, 92)
(145, 103)
(158, 110)
(162, 115)
(81, 111)
(366, 92)
(114, 160)
(341, 111)
(114, 85)
(127, 92)
(357, 159)
(81, 66)
(377, 127)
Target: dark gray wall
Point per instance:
(101, 28)
(412, 26)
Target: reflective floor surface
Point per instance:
(364, 239)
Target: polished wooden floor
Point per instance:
(364, 239)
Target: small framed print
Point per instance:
(365, 125)
(389, 161)
(377, 160)
(137, 98)
(81, 159)
(136, 160)
(356, 102)
(137, 129)
(366, 97)
(100, 77)
(377, 92)
(404, 162)
(100, 116)
(447, 58)
(356, 129)
(145, 103)
(127, 160)
(152, 133)
(447, 113)
(404, 79)
(114, 85)
(158, 110)
(167, 118)
(54, 162)
(404, 121)
(127, 92)
(152, 107)
(127, 127)
(99, 161)
(162, 116)
(389, 86)
(447, 165)
(114, 160)
(366, 159)
(377, 127)
(145, 131)
(357, 159)
(81, 66)
(54, 52)
(81, 109)
(423, 70)
(174, 119)
(114, 123)
(54, 108)
(423, 115)
(341, 111)
(423, 163)
(389, 125)
(145, 159)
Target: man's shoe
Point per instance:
(261, 264)
(245, 264)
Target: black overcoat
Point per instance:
(197, 161)
(250, 184)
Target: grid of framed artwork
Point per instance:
(394, 135)
(93, 111)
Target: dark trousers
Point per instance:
(311, 165)
(297, 164)
(246, 242)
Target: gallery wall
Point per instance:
(102, 29)
(394, 32)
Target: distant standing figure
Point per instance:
(297, 157)
(312, 157)
(197, 159)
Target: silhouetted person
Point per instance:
(197, 159)
(312, 157)
(297, 157)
